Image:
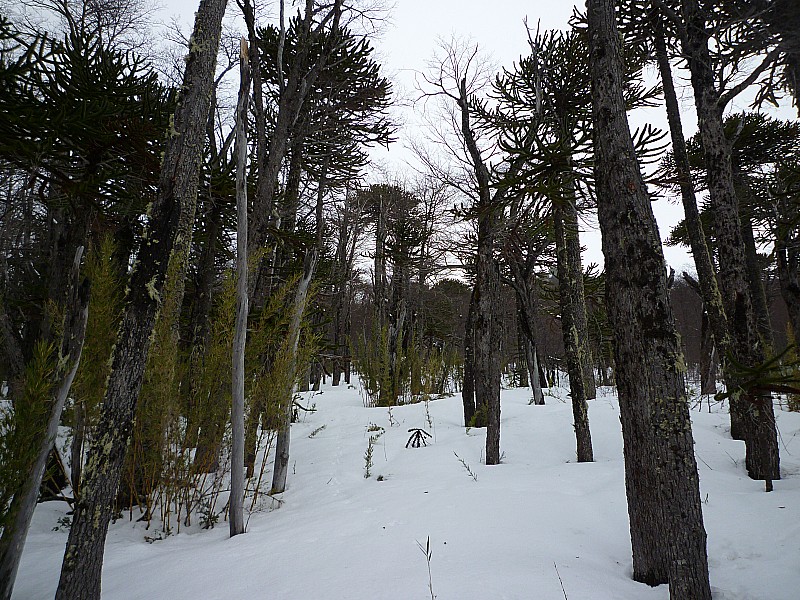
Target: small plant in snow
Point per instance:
(417, 438)
(426, 550)
(368, 454)
(208, 518)
(428, 418)
(392, 422)
(374, 427)
(467, 467)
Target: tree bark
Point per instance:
(787, 254)
(573, 348)
(487, 339)
(23, 503)
(752, 412)
(468, 385)
(667, 534)
(707, 284)
(177, 191)
(281, 469)
(240, 334)
(574, 270)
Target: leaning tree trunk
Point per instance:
(573, 347)
(177, 192)
(755, 278)
(240, 334)
(667, 534)
(751, 410)
(283, 438)
(707, 284)
(22, 506)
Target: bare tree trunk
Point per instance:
(177, 192)
(750, 410)
(282, 442)
(240, 335)
(15, 530)
(667, 534)
(573, 347)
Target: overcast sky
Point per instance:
(409, 40)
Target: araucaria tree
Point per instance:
(667, 534)
(177, 192)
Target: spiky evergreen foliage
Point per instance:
(345, 110)
(89, 385)
(23, 424)
(81, 130)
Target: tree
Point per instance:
(456, 78)
(177, 192)
(752, 413)
(237, 411)
(20, 513)
(667, 534)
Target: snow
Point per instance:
(519, 531)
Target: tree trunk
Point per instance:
(15, 530)
(487, 340)
(240, 334)
(755, 281)
(468, 385)
(707, 279)
(667, 534)
(751, 411)
(708, 358)
(574, 269)
(177, 192)
(573, 348)
(787, 254)
(281, 469)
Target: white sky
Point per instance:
(410, 38)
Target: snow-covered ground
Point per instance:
(518, 531)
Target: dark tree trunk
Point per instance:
(752, 412)
(707, 285)
(574, 269)
(787, 254)
(573, 346)
(177, 193)
(755, 281)
(667, 534)
(468, 385)
(396, 334)
(487, 340)
(708, 358)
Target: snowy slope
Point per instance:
(513, 533)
